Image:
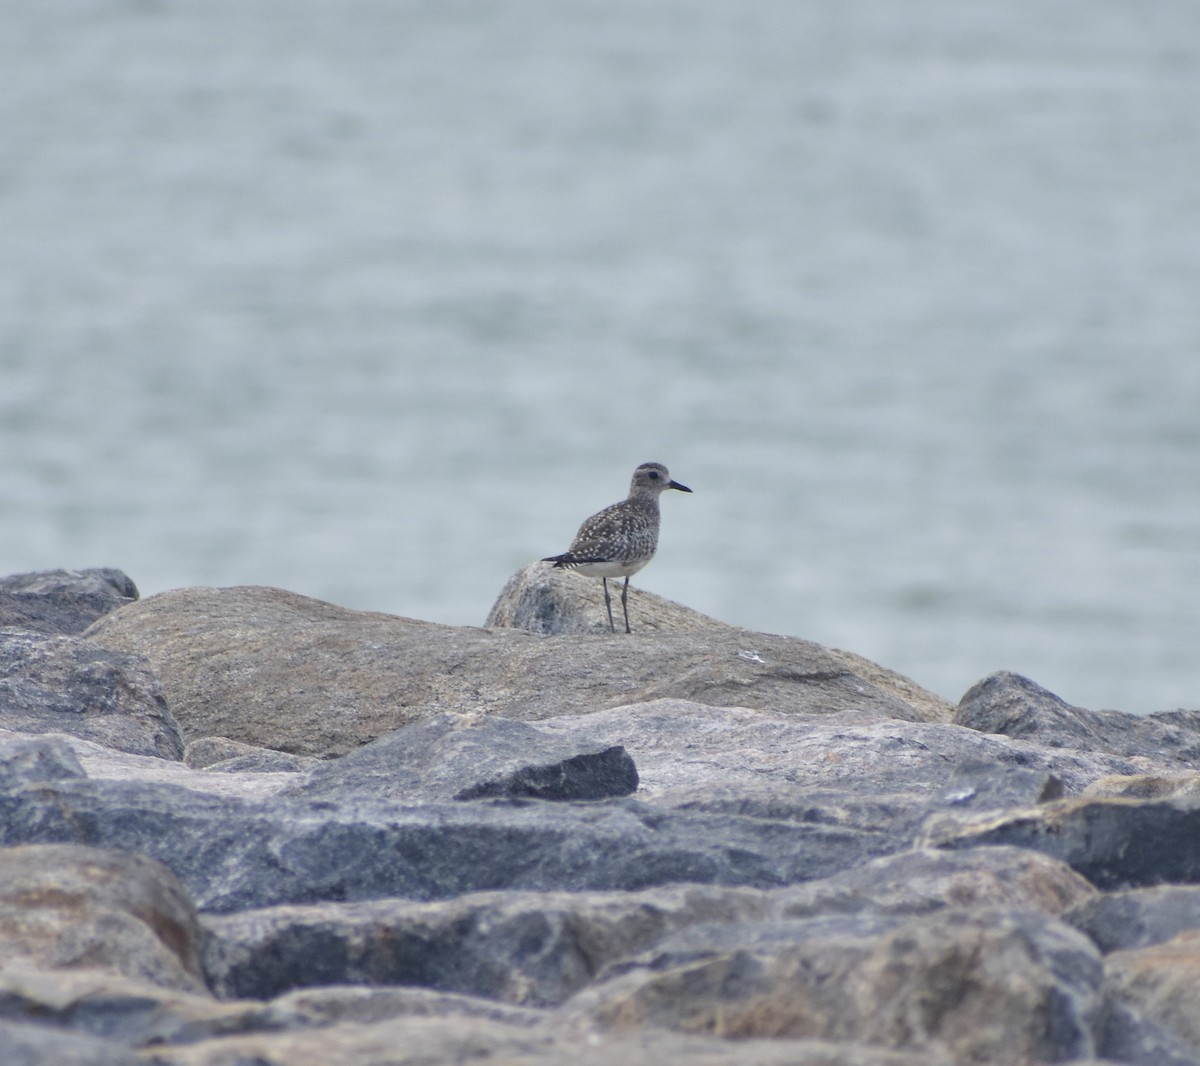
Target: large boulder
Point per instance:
(271, 668)
(63, 684)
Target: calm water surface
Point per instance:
(376, 301)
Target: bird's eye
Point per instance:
(653, 475)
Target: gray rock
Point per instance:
(228, 756)
(32, 760)
(270, 668)
(38, 1045)
(976, 785)
(62, 601)
(1161, 982)
(463, 757)
(1146, 786)
(928, 880)
(1114, 843)
(233, 854)
(980, 986)
(684, 745)
(525, 948)
(547, 601)
(1128, 1037)
(63, 684)
(1137, 917)
(1017, 707)
(426, 1041)
(65, 906)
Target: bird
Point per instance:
(621, 539)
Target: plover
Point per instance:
(621, 539)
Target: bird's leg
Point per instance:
(608, 604)
(624, 605)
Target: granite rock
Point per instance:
(1013, 705)
(464, 757)
(278, 670)
(62, 601)
(235, 854)
(1114, 843)
(69, 906)
(1137, 917)
(64, 684)
(1161, 982)
(981, 986)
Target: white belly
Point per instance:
(611, 569)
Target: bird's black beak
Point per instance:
(676, 485)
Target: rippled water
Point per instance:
(377, 300)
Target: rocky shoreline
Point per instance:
(242, 826)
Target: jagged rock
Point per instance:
(271, 668)
(1114, 843)
(234, 854)
(981, 986)
(1017, 707)
(525, 948)
(62, 601)
(66, 906)
(537, 948)
(1137, 917)
(463, 757)
(62, 684)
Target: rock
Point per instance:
(524, 948)
(30, 760)
(1137, 917)
(268, 667)
(1146, 786)
(62, 601)
(537, 948)
(1017, 707)
(37, 1045)
(553, 602)
(685, 745)
(1114, 843)
(235, 854)
(229, 756)
(26, 760)
(463, 757)
(62, 684)
(546, 601)
(997, 987)
(426, 1041)
(1162, 982)
(926, 880)
(70, 906)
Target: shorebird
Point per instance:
(621, 539)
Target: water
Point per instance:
(376, 301)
